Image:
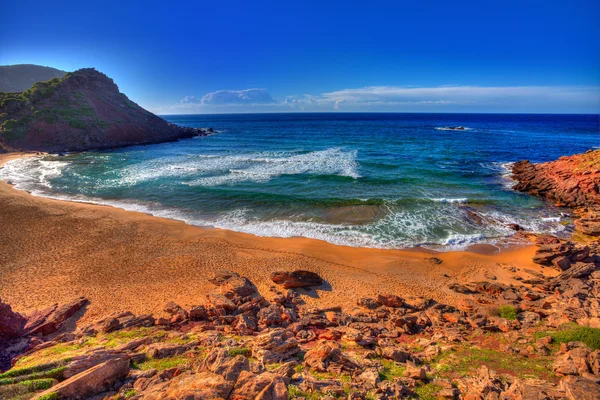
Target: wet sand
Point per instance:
(52, 251)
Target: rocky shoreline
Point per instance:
(536, 336)
(572, 182)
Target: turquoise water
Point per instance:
(377, 180)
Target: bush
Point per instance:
(240, 351)
(574, 333)
(508, 312)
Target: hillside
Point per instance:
(17, 78)
(84, 110)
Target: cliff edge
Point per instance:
(84, 110)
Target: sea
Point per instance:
(376, 180)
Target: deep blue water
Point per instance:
(379, 180)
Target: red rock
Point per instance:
(296, 279)
(12, 324)
(94, 380)
(51, 320)
(390, 300)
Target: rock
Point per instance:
(232, 285)
(328, 357)
(220, 362)
(369, 378)
(275, 346)
(589, 224)
(414, 372)
(568, 181)
(395, 354)
(164, 350)
(562, 263)
(177, 313)
(572, 362)
(12, 324)
(50, 320)
(580, 389)
(97, 379)
(390, 300)
(369, 303)
(266, 386)
(296, 279)
(199, 386)
(85, 361)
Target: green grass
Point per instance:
(37, 384)
(574, 333)
(129, 393)
(294, 392)
(41, 368)
(427, 391)
(390, 370)
(508, 312)
(465, 360)
(163, 363)
(50, 396)
(244, 351)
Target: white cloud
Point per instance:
(453, 98)
(247, 96)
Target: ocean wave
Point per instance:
(460, 200)
(258, 168)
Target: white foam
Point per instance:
(460, 200)
(261, 168)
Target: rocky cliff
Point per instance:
(84, 110)
(572, 181)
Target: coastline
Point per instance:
(55, 250)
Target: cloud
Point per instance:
(451, 98)
(190, 100)
(247, 96)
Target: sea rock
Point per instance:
(296, 279)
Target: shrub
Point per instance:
(575, 333)
(508, 312)
(240, 351)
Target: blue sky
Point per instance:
(242, 56)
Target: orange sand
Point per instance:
(52, 251)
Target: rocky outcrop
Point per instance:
(569, 181)
(83, 110)
(11, 323)
(572, 181)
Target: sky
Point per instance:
(322, 56)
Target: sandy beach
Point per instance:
(53, 251)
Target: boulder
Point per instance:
(97, 379)
(275, 346)
(296, 279)
(266, 386)
(11, 323)
(577, 388)
(220, 362)
(328, 357)
(51, 320)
